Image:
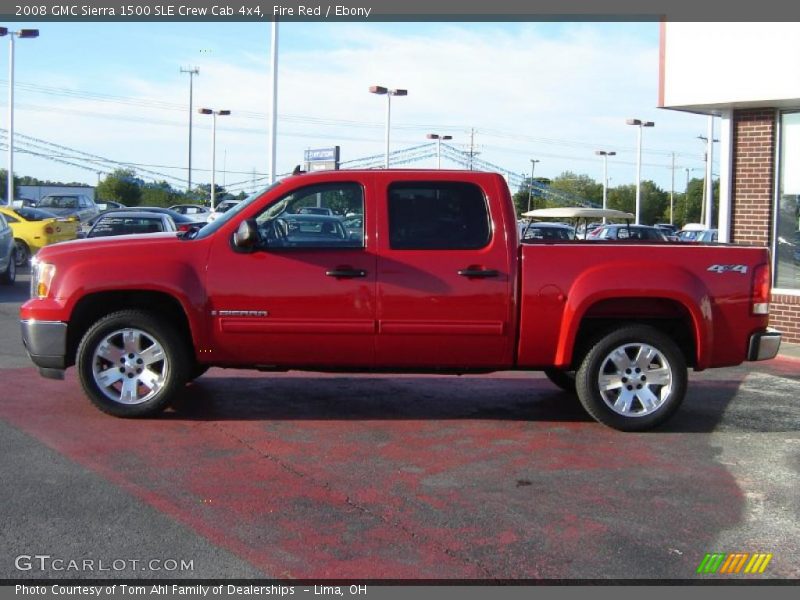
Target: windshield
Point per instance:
(210, 228)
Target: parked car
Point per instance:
(308, 230)
(35, 228)
(546, 232)
(438, 284)
(109, 205)
(8, 262)
(192, 210)
(314, 210)
(182, 222)
(668, 227)
(130, 223)
(220, 209)
(69, 205)
(618, 232)
(697, 232)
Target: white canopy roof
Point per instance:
(577, 212)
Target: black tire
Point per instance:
(23, 253)
(151, 353)
(561, 378)
(10, 274)
(631, 402)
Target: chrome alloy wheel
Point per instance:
(635, 380)
(129, 366)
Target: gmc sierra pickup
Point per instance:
(421, 272)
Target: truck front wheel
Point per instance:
(132, 364)
(632, 379)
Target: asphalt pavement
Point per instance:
(308, 475)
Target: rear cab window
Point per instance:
(438, 215)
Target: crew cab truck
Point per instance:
(436, 281)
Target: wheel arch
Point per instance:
(92, 307)
(668, 315)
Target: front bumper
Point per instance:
(764, 345)
(46, 343)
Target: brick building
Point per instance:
(747, 75)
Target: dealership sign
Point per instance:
(322, 159)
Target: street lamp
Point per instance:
(605, 154)
(192, 72)
(438, 138)
(530, 186)
(22, 33)
(639, 123)
(213, 113)
(381, 91)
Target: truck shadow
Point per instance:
(711, 405)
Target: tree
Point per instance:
(121, 185)
(160, 193)
(4, 184)
(581, 187)
(521, 197)
(654, 201)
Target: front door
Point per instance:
(306, 296)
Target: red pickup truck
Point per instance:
(421, 272)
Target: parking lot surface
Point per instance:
(308, 475)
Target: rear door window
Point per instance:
(435, 215)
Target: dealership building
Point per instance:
(747, 75)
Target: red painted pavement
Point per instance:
(309, 475)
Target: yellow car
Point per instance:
(34, 228)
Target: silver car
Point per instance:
(8, 263)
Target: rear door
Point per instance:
(444, 286)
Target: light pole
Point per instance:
(438, 138)
(213, 113)
(22, 33)
(530, 186)
(192, 72)
(605, 154)
(273, 105)
(639, 123)
(381, 91)
(706, 215)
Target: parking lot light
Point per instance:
(438, 138)
(26, 34)
(640, 124)
(605, 154)
(213, 113)
(383, 91)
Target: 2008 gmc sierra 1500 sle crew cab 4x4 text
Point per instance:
(423, 272)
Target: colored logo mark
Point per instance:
(734, 563)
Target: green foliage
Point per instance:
(4, 184)
(160, 194)
(123, 186)
(581, 186)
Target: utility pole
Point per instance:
(672, 191)
(530, 186)
(191, 72)
(471, 146)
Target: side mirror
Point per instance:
(246, 236)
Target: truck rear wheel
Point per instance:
(132, 364)
(632, 379)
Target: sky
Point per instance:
(554, 92)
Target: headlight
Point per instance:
(41, 277)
